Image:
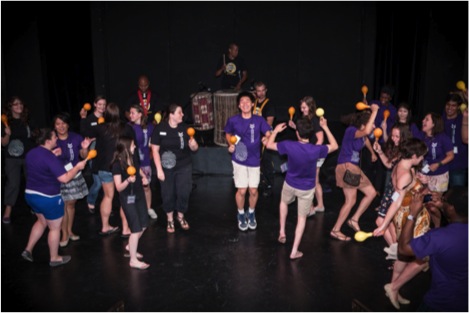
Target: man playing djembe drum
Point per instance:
(232, 68)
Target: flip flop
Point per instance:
(110, 231)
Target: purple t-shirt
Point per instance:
(453, 130)
(248, 149)
(142, 137)
(447, 248)
(70, 148)
(43, 169)
(351, 147)
(438, 146)
(302, 159)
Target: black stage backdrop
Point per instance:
(58, 55)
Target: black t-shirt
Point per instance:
(136, 187)
(174, 146)
(267, 110)
(106, 145)
(20, 139)
(233, 73)
(316, 128)
(87, 124)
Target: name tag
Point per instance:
(68, 166)
(237, 139)
(162, 133)
(455, 150)
(94, 124)
(426, 169)
(131, 199)
(395, 196)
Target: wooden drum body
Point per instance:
(202, 111)
(225, 106)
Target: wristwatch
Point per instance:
(410, 218)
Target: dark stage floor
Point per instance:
(211, 267)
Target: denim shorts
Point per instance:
(105, 177)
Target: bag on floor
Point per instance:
(352, 179)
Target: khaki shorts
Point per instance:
(438, 183)
(245, 176)
(305, 198)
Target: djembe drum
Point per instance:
(225, 106)
(202, 111)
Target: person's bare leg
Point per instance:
(36, 232)
(106, 205)
(300, 228)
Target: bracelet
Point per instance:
(440, 164)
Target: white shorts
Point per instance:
(246, 176)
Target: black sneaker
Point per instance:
(27, 256)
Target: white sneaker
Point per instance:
(152, 214)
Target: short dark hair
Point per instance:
(413, 146)
(388, 90)
(304, 128)
(245, 94)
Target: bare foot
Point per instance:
(282, 238)
(139, 265)
(139, 255)
(296, 255)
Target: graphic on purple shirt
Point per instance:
(351, 147)
(70, 148)
(43, 169)
(248, 149)
(448, 251)
(453, 130)
(301, 162)
(142, 137)
(438, 146)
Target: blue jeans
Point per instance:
(94, 190)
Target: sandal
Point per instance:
(170, 227)
(336, 234)
(350, 224)
(183, 222)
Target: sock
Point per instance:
(241, 211)
(251, 210)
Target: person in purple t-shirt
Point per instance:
(447, 248)
(300, 181)
(361, 125)
(440, 154)
(143, 131)
(71, 146)
(247, 128)
(45, 174)
(453, 124)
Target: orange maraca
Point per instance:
(91, 154)
(386, 114)
(364, 90)
(291, 111)
(361, 106)
(461, 85)
(233, 140)
(191, 132)
(378, 132)
(5, 120)
(87, 106)
(101, 120)
(131, 171)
